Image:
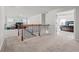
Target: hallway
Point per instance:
(35, 29)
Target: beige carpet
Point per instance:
(46, 43)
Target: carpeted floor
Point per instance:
(46, 43)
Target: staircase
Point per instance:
(28, 34)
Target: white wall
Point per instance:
(51, 19)
(2, 20)
(43, 18)
(77, 24)
(35, 19)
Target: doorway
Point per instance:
(66, 24)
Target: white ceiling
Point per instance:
(28, 10)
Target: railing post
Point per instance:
(22, 34)
(32, 29)
(18, 30)
(39, 29)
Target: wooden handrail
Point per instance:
(28, 25)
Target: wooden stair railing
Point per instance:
(22, 27)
